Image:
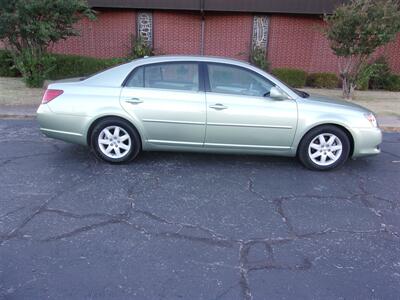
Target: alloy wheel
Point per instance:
(114, 142)
(325, 149)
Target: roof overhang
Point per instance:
(316, 7)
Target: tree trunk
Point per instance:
(348, 88)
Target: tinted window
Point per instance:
(137, 78)
(235, 80)
(172, 76)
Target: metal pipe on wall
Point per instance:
(203, 25)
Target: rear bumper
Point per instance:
(68, 128)
(367, 142)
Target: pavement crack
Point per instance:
(277, 202)
(163, 220)
(81, 230)
(244, 281)
(15, 232)
(12, 159)
(68, 214)
(391, 154)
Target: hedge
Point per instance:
(392, 83)
(6, 65)
(70, 66)
(323, 80)
(293, 77)
(64, 66)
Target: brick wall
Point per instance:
(392, 52)
(297, 42)
(180, 33)
(176, 33)
(228, 35)
(108, 36)
(294, 41)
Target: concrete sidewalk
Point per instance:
(19, 102)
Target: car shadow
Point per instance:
(80, 154)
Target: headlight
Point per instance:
(372, 120)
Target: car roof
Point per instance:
(115, 76)
(174, 58)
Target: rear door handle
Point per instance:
(218, 106)
(133, 100)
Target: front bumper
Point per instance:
(367, 141)
(68, 128)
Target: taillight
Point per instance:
(51, 95)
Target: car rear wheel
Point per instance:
(115, 141)
(324, 148)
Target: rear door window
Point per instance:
(172, 76)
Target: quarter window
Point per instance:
(137, 78)
(236, 80)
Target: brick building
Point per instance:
(288, 30)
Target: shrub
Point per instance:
(139, 48)
(393, 83)
(323, 80)
(259, 59)
(7, 68)
(380, 73)
(293, 77)
(362, 83)
(70, 66)
(376, 76)
(34, 68)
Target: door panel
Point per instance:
(250, 122)
(168, 117)
(166, 98)
(240, 113)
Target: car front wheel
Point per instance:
(115, 141)
(324, 148)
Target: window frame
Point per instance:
(200, 71)
(208, 83)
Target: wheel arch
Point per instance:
(345, 130)
(101, 118)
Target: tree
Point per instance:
(356, 30)
(29, 27)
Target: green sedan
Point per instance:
(204, 104)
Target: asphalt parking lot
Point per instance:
(193, 226)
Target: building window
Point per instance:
(260, 32)
(145, 27)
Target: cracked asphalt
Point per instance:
(193, 226)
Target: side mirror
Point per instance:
(277, 94)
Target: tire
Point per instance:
(315, 154)
(115, 141)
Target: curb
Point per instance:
(17, 117)
(390, 129)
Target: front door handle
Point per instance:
(133, 100)
(218, 106)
